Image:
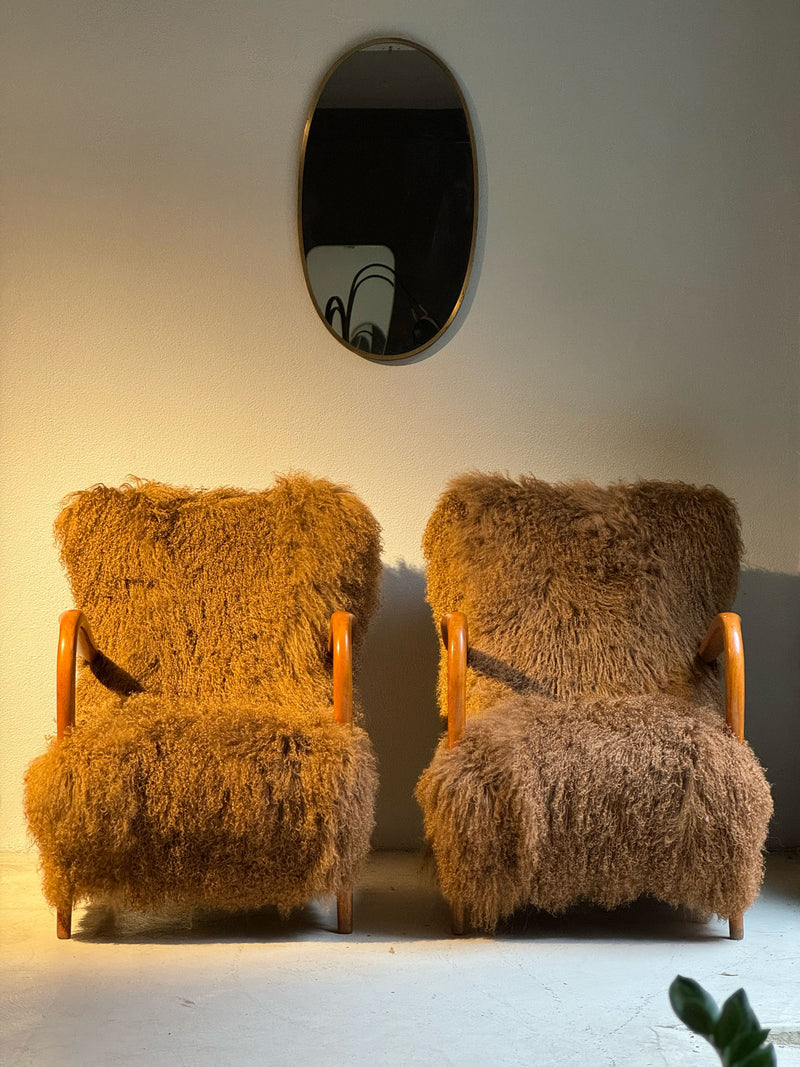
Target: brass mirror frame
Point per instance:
(371, 42)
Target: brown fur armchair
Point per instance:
(214, 760)
(588, 756)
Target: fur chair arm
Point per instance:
(340, 644)
(725, 635)
(455, 638)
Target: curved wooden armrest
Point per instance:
(725, 635)
(455, 638)
(74, 638)
(340, 643)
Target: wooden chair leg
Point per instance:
(736, 927)
(64, 924)
(344, 911)
(458, 919)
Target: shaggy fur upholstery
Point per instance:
(211, 771)
(595, 764)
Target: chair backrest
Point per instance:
(579, 592)
(222, 594)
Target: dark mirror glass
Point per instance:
(387, 199)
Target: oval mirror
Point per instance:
(387, 199)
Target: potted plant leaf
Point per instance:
(732, 1030)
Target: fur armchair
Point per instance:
(588, 756)
(214, 760)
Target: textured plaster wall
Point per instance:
(632, 312)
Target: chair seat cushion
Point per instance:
(547, 805)
(154, 802)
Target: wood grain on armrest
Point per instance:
(725, 635)
(455, 637)
(340, 643)
(74, 638)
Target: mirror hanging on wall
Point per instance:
(387, 199)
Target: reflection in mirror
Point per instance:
(366, 274)
(387, 199)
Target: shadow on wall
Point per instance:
(769, 604)
(397, 682)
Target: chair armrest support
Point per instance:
(725, 635)
(74, 638)
(340, 644)
(455, 638)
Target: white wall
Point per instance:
(633, 308)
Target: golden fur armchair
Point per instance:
(214, 760)
(588, 756)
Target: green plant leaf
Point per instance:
(762, 1057)
(693, 1006)
(742, 1046)
(735, 1018)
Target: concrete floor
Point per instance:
(586, 990)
